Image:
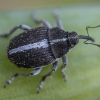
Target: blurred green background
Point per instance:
(83, 68)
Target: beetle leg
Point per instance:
(65, 61)
(23, 27)
(37, 21)
(64, 58)
(54, 68)
(58, 21)
(35, 72)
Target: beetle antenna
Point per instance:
(88, 37)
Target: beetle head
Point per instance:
(73, 38)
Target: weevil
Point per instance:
(41, 46)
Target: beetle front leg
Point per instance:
(35, 72)
(23, 27)
(37, 21)
(54, 68)
(65, 61)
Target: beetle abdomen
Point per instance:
(31, 49)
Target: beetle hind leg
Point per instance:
(35, 72)
(54, 68)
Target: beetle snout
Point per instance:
(73, 38)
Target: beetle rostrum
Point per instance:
(38, 47)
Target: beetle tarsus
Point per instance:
(5, 85)
(54, 68)
(65, 62)
(39, 87)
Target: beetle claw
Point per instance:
(39, 88)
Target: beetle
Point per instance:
(41, 46)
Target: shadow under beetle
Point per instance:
(38, 47)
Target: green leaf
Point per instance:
(83, 68)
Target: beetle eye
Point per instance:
(76, 42)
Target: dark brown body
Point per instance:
(39, 56)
